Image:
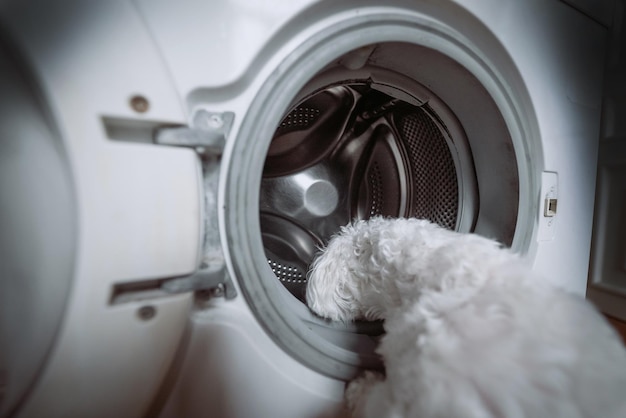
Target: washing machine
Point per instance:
(170, 169)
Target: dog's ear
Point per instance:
(329, 293)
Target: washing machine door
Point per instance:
(39, 230)
(95, 217)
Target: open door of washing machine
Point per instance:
(38, 223)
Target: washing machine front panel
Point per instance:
(498, 70)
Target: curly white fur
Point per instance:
(470, 330)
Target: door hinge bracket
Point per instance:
(212, 278)
(207, 134)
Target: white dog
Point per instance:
(470, 330)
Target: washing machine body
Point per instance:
(208, 148)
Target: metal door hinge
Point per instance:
(213, 278)
(207, 134)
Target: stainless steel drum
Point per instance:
(353, 151)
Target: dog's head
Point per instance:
(341, 286)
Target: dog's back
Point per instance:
(470, 330)
(509, 351)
